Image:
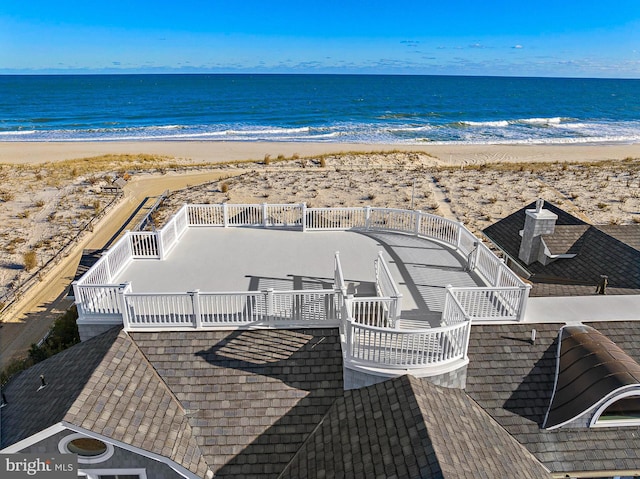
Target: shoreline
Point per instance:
(216, 152)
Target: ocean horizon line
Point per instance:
(114, 72)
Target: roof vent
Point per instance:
(3, 400)
(43, 383)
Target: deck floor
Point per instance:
(255, 259)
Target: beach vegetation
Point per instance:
(295, 156)
(30, 260)
(323, 162)
(39, 203)
(6, 196)
(224, 187)
(281, 157)
(267, 159)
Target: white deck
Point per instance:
(255, 259)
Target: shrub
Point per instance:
(30, 260)
(224, 187)
(267, 159)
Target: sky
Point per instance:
(559, 38)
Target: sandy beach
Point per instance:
(210, 151)
(50, 192)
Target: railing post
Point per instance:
(499, 273)
(446, 309)
(108, 268)
(524, 298)
(270, 299)
(367, 217)
(160, 245)
(122, 289)
(174, 225)
(472, 258)
(303, 207)
(417, 222)
(195, 301)
(186, 217)
(77, 299)
(467, 333)
(459, 239)
(265, 221)
(225, 215)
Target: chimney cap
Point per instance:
(539, 205)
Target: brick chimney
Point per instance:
(537, 222)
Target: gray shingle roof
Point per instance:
(612, 250)
(252, 396)
(512, 380)
(126, 400)
(104, 385)
(410, 428)
(28, 410)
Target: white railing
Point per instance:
(149, 310)
(336, 218)
(489, 303)
(381, 347)
(119, 256)
(366, 323)
(206, 310)
(386, 286)
(97, 301)
(283, 215)
(206, 215)
(99, 273)
(439, 228)
(452, 312)
(144, 244)
(244, 215)
(379, 312)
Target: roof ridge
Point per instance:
(156, 374)
(125, 355)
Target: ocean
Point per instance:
(319, 108)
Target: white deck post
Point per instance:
(265, 221)
(418, 219)
(225, 215)
(122, 289)
(367, 217)
(459, 239)
(160, 245)
(499, 273)
(270, 298)
(303, 207)
(77, 299)
(524, 298)
(195, 299)
(445, 308)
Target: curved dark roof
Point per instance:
(590, 367)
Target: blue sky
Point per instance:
(542, 38)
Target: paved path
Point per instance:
(30, 319)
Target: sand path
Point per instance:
(30, 319)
